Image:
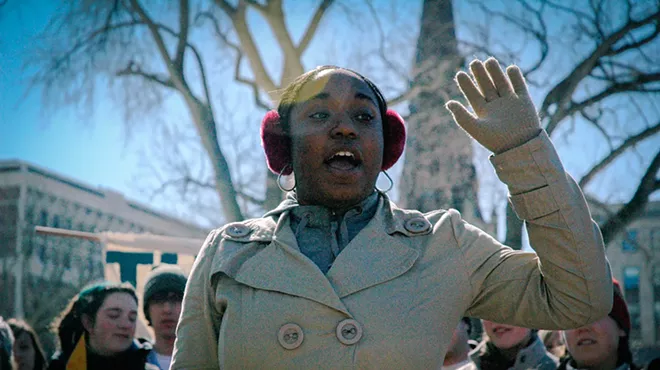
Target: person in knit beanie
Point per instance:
(603, 344)
(163, 293)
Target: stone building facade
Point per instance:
(635, 260)
(39, 273)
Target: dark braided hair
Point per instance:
(69, 326)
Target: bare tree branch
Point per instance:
(614, 154)
(132, 69)
(615, 88)
(227, 8)
(237, 17)
(309, 33)
(58, 62)
(523, 24)
(158, 39)
(636, 44)
(415, 90)
(595, 122)
(259, 7)
(561, 93)
(184, 20)
(402, 74)
(648, 185)
(238, 61)
(577, 12)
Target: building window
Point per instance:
(43, 218)
(655, 240)
(68, 222)
(631, 284)
(629, 243)
(631, 289)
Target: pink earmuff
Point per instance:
(277, 144)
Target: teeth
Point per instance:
(344, 154)
(586, 341)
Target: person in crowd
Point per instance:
(553, 340)
(96, 331)
(163, 293)
(28, 352)
(458, 351)
(512, 347)
(604, 344)
(338, 276)
(6, 346)
(653, 364)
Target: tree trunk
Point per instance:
(205, 124)
(438, 171)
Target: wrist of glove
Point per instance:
(505, 116)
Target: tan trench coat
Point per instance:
(253, 301)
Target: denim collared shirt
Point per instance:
(322, 234)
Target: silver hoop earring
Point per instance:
(391, 183)
(279, 180)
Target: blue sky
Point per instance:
(93, 149)
(94, 153)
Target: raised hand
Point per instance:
(505, 115)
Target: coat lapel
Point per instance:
(281, 267)
(372, 257)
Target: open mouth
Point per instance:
(499, 331)
(586, 342)
(343, 160)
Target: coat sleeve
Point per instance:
(196, 345)
(568, 282)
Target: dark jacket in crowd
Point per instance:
(134, 358)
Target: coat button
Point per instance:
(290, 336)
(237, 230)
(417, 225)
(349, 332)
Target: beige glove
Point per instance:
(505, 115)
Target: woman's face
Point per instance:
(113, 330)
(506, 336)
(595, 344)
(24, 351)
(337, 140)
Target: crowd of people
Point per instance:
(338, 276)
(97, 329)
(604, 344)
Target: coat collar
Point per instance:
(281, 267)
(372, 257)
